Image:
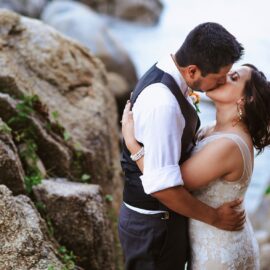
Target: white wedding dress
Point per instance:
(215, 249)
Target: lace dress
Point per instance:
(215, 249)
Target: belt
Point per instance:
(164, 215)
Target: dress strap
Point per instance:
(244, 149)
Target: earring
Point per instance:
(240, 115)
(240, 112)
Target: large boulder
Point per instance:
(24, 240)
(30, 8)
(120, 89)
(71, 84)
(142, 11)
(80, 221)
(83, 24)
(11, 171)
(56, 155)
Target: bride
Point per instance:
(221, 165)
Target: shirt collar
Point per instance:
(167, 65)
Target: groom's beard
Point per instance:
(196, 86)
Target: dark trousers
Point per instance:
(153, 242)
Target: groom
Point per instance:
(153, 225)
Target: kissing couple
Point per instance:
(184, 185)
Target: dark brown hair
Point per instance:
(257, 108)
(209, 46)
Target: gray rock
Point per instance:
(261, 218)
(83, 24)
(68, 79)
(120, 89)
(56, 156)
(265, 257)
(142, 11)
(24, 240)
(31, 8)
(11, 171)
(80, 221)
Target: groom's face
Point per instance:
(211, 80)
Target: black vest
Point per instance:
(133, 190)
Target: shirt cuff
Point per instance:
(162, 178)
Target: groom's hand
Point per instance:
(229, 217)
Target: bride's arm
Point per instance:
(128, 134)
(220, 158)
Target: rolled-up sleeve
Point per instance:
(161, 135)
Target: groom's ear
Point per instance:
(192, 71)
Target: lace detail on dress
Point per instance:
(215, 249)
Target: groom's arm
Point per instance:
(181, 201)
(160, 131)
(158, 125)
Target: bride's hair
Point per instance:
(257, 108)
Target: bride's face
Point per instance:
(233, 89)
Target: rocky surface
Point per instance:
(86, 26)
(142, 11)
(24, 240)
(73, 93)
(80, 221)
(11, 171)
(56, 155)
(31, 8)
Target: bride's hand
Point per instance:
(128, 126)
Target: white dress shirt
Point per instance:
(159, 125)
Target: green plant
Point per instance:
(85, 178)
(66, 135)
(55, 115)
(28, 153)
(68, 258)
(5, 128)
(108, 198)
(50, 226)
(40, 206)
(25, 137)
(267, 191)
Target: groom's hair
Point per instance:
(210, 47)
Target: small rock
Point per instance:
(24, 240)
(11, 170)
(80, 221)
(30, 8)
